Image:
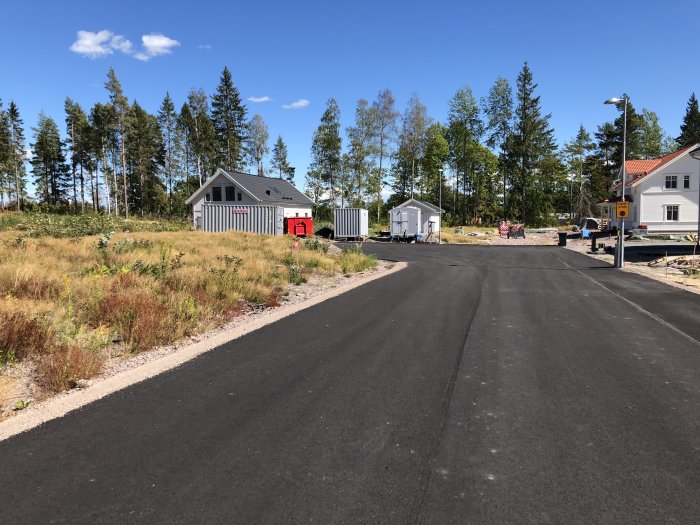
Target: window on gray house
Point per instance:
(207, 197)
(686, 182)
(230, 193)
(240, 196)
(216, 193)
(672, 212)
(671, 182)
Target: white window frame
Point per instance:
(678, 212)
(673, 179)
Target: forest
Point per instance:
(494, 157)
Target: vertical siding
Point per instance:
(255, 219)
(350, 222)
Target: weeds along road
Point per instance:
(480, 385)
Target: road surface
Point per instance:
(479, 385)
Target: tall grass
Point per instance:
(65, 301)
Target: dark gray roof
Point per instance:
(268, 189)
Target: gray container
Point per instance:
(405, 222)
(350, 223)
(267, 220)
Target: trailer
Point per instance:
(350, 223)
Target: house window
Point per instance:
(672, 212)
(230, 193)
(216, 193)
(240, 196)
(686, 182)
(671, 182)
(207, 197)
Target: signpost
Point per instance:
(622, 210)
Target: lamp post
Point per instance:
(440, 205)
(696, 155)
(620, 262)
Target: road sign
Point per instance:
(623, 210)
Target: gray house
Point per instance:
(231, 188)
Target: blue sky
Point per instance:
(580, 53)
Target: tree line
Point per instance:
(493, 158)
(122, 160)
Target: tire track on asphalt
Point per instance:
(417, 512)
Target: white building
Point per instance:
(423, 220)
(233, 188)
(663, 193)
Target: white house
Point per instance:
(663, 193)
(234, 188)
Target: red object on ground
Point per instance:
(299, 226)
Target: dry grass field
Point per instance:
(65, 302)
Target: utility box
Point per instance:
(350, 223)
(299, 226)
(405, 222)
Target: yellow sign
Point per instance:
(623, 210)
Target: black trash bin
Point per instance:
(562, 238)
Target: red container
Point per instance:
(299, 226)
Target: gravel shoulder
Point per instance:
(123, 371)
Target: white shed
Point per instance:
(240, 189)
(415, 217)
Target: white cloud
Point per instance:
(297, 104)
(155, 45)
(259, 99)
(104, 43)
(94, 45)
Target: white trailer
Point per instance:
(350, 223)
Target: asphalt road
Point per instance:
(480, 385)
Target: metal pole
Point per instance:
(697, 241)
(621, 253)
(440, 225)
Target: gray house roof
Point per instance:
(420, 204)
(262, 189)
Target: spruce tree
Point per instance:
(531, 156)
(51, 174)
(229, 118)
(690, 128)
(652, 136)
(279, 163)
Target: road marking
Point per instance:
(640, 308)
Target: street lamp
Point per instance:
(620, 262)
(440, 205)
(696, 155)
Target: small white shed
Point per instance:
(414, 217)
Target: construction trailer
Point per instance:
(414, 220)
(268, 220)
(350, 223)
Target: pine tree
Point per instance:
(258, 137)
(16, 154)
(144, 158)
(690, 128)
(121, 107)
(49, 162)
(5, 155)
(279, 161)
(102, 124)
(167, 120)
(78, 142)
(228, 116)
